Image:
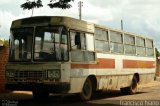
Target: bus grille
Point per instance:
(30, 74)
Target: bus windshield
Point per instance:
(21, 44)
(51, 44)
(47, 44)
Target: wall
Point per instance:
(3, 61)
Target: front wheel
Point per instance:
(40, 95)
(87, 90)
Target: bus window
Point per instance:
(80, 46)
(101, 40)
(82, 56)
(129, 39)
(24, 50)
(21, 39)
(129, 42)
(52, 42)
(130, 49)
(140, 43)
(89, 42)
(116, 42)
(83, 41)
(64, 46)
(78, 40)
(116, 37)
(16, 42)
(101, 34)
(149, 47)
(116, 48)
(77, 56)
(73, 39)
(38, 48)
(149, 43)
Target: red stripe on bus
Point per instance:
(138, 64)
(102, 63)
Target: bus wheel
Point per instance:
(87, 90)
(132, 88)
(40, 95)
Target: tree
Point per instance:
(6, 43)
(63, 4)
(157, 52)
(31, 5)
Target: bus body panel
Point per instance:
(115, 75)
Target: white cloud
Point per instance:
(5, 1)
(5, 22)
(139, 16)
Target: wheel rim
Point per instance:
(87, 90)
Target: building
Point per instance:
(3, 61)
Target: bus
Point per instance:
(58, 54)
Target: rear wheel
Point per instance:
(87, 90)
(132, 89)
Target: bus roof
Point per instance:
(121, 31)
(71, 23)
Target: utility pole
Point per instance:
(80, 4)
(121, 24)
(32, 11)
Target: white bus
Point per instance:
(55, 54)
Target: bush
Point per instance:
(5, 43)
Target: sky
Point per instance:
(139, 16)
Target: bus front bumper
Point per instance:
(53, 88)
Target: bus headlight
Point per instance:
(54, 74)
(10, 73)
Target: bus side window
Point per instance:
(78, 40)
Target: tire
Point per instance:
(40, 95)
(87, 90)
(132, 89)
(124, 90)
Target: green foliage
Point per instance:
(6, 43)
(30, 5)
(157, 52)
(63, 4)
